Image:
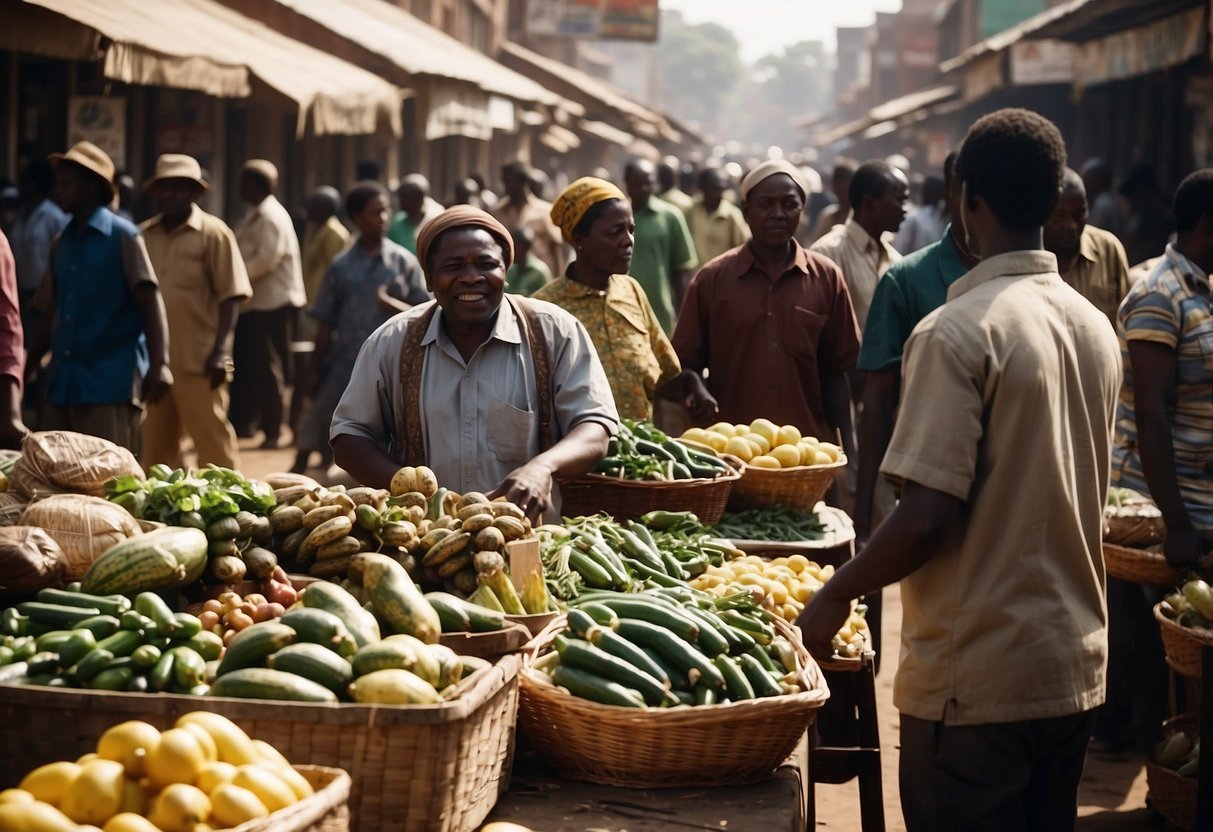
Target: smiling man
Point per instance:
(771, 322)
(496, 397)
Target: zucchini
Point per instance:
(712, 639)
(146, 656)
(188, 625)
(263, 683)
(579, 622)
(314, 662)
(251, 646)
(452, 617)
(189, 669)
(152, 606)
(161, 675)
(78, 644)
(13, 623)
(332, 598)
(591, 571)
(638, 608)
(121, 643)
(397, 599)
(764, 659)
(113, 678)
(160, 559)
(581, 654)
(692, 664)
(764, 684)
(139, 684)
(13, 672)
(23, 647)
(99, 625)
(734, 679)
(136, 622)
(704, 695)
(43, 663)
(322, 628)
(52, 641)
(601, 614)
(611, 642)
(760, 631)
(107, 604)
(590, 686)
(207, 645)
(385, 655)
(59, 615)
(479, 619)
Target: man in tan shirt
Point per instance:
(1002, 450)
(716, 225)
(862, 247)
(203, 281)
(520, 208)
(1088, 258)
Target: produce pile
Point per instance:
(670, 647)
(770, 523)
(1132, 519)
(1191, 605)
(204, 770)
(642, 452)
(764, 444)
(1180, 752)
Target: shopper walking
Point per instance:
(664, 254)
(417, 208)
(1088, 258)
(520, 207)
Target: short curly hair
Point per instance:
(1014, 159)
(360, 195)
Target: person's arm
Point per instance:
(320, 352)
(875, 427)
(836, 401)
(364, 459)
(219, 364)
(530, 486)
(12, 425)
(155, 326)
(690, 342)
(1154, 389)
(903, 543)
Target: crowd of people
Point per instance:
(987, 358)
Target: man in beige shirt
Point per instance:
(862, 247)
(1090, 259)
(271, 255)
(520, 208)
(716, 224)
(1002, 450)
(203, 281)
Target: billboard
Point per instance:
(601, 19)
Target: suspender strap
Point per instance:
(542, 360)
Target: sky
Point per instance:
(764, 26)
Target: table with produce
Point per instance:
(158, 624)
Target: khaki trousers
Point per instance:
(192, 409)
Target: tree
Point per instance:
(701, 71)
(793, 83)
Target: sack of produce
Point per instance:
(84, 527)
(55, 462)
(30, 559)
(1131, 519)
(12, 506)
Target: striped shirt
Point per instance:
(1172, 307)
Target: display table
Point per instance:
(539, 799)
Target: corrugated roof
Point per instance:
(203, 45)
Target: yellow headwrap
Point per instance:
(579, 197)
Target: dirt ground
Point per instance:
(1113, 793)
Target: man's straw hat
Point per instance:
(177, 166)
(92, 158)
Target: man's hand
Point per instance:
(819, 623)
(218, 366)
(529, 488)
(1183, 547)
(701, 404)
(156, 384)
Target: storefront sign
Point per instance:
(605, 19)
(1139, 51)
(100, 120)
(1042, 62)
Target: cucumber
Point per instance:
(60, 615)
(189, 668)
(704, 695)
(764, 659)
(153, 606)
(52, 641)
(590, 686)
(684, 697)
(764, 684)
(251, 646)
(321, 627)
(678, 679)
(139, 684)
(316, 663)
(734, 679)
(188, 625)
(207, 645)
(107, 604)
(712, 640)
(44, 662)
(591, 570)
(579, 622)
(121, 643)
(585, 656)
(332, 598)
(782, 650)
(13, 672)
(100, 626)
(146, 656)
(473, 664)
(6, 654)
(695, 666)
(760, 631)
(637, 608)
(478, 619)
(23, 648)
(616, 645)
(161, 675)
(263, 683)
(136, 621)
(113, 678)
(78, 645)
(91, 665)
(13, 623)
(601, 614)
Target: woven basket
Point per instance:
(1139, 566)
(420, 768)
(1173, 797)
(1182, 645)
(325, 811)
(730, 744)
(629, 499)
(799, 487)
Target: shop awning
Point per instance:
(203, 45)
(604, 131)
(907, 104)
(418, 48)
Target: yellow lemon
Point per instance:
(725, 429)
(798, 563)
(177, 758)
(788, 435)
(96, 795)
(740, 448)
(696, 435)
(765, 427)
(297, 782)
(129, 822)
(740, 429)
(269, 788)
(716, 441)
(133, 798)
(127, 743)
(824, 459)
(808, 451)
(763, 444)
(831, 450)
(16, 796)
(84, 758)
(788, 455)
(180, 808)
(50, 782)
(214, 775)
(234, 745)
(232, 805)
(764, 461)
(210, 751)
(35, 816)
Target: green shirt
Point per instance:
(528, 277)
(910, 290)
(402, 232)
(663, 248)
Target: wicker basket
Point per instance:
(325, 811)
(728, 744)
(422, 768)
(1140, 566)
(799, 487)
(1173, 797)
(629, 499)
(1182, 645)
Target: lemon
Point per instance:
(177, 758)
(84, 758)
(232, 805)
(725, 429)
(824, 458)
(740, 429)
(129, 822)
(741, 448)
(127, 743)
(716, 441)
(696, 435)
(269, 788)
(764, 461)
(765, 427)
(96, 795)
(234, 745)
(16, 796)
(50, 782)
(180, 807)
(831, 450)
(788, 455)
(789, 435)
(214, 775)
(808, 451)
(36, 815)
(762, 442)
(210, 751)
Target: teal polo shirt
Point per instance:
(911, 289)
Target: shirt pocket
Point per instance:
(509, 432)
(801, 331)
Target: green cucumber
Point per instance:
(139, 684)
(760, 631)
(189, 668)
(121, 643)
(678, 679)
(712, 640)
(207, 645)
(23, 648)
(580, 622)
(332, 598)
(590, 686)
(52, 641)
(735, 680)
(607, 640)
(704, 695)
(100, 626)
(317, 626)
(6, 654)
(764, 659)
(107, 604)
(316, 663)
(146, 656)
(44, 662)
(585, 656)
(13, 623)
(154, 607)
(13, 672)
(590, 569)
(188, 625)
(161, 675)
(78, 645)
(602, 615)
(91, 665)
(133, 621)
(60, 615)
(462, 615)
(263, 683)
(695, 666)
(113, 678)
(251, 646)
(638, 608)
(764, 684)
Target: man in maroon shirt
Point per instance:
(12, 352)
(770, 322)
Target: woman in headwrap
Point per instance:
(498, 397)
(593, 215)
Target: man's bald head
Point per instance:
(639, 179)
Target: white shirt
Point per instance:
(862, 259)
(270, 249)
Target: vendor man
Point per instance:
(495, 397)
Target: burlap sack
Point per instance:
(30, 560)
(84, 527)
(60, 462)
(12, 506)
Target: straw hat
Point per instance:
(92, 158)
(177, 166)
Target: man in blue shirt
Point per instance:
(103, 317)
